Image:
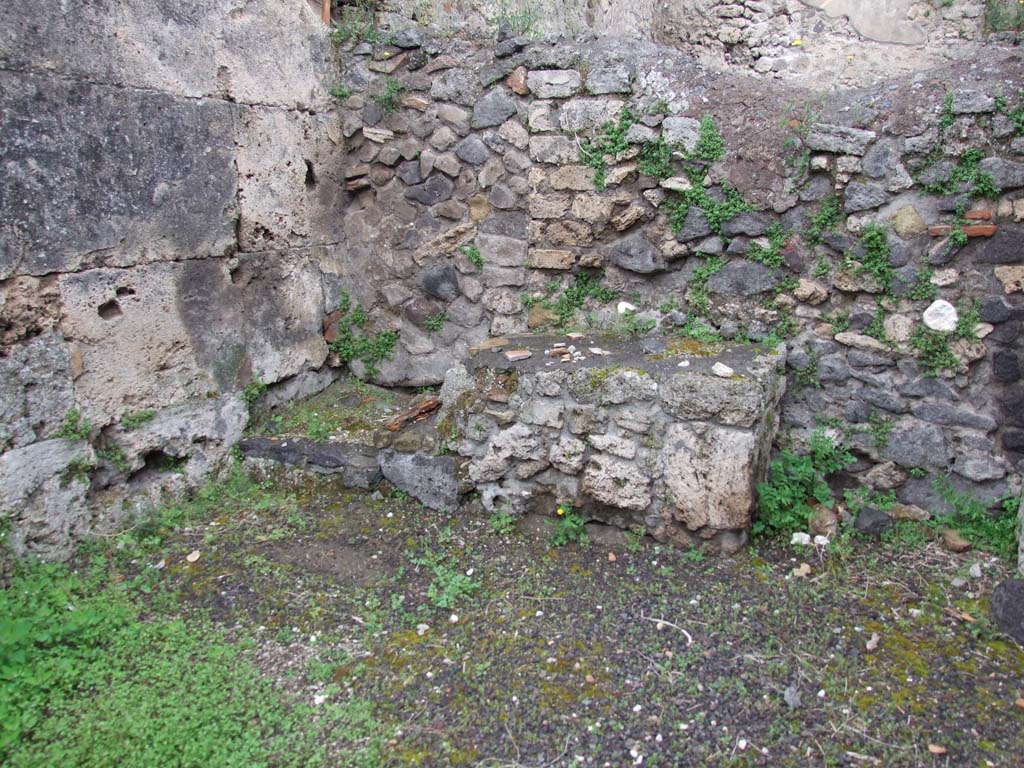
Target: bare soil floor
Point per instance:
(476, 642)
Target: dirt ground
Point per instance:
(475, 642)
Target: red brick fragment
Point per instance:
(978, 214)
(980, 230)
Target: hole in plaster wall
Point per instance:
(108, 310)
(310, 174)
(124, 291)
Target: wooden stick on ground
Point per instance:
(416, 413)
(326, 13)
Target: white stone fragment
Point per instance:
(801, 539)
(940, 316)
(722, 370)
(625, 306)
(599, 351)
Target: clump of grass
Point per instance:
(92, 675)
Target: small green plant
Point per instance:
(710, 147)
(502, 523)
(575, 296)
(610, 142)
(389, 98)
(771, 255)
(876, 259)
(353, 344)
(472, 252)
(968, 317)
(632, 325)
(340, 92)
(935, 354)
(75, 426)
(825, 220)
(995, 532)
(449, 584)
(137, 419)
(695, 554)
(635, 539)
(807, 377)
(881, 429)
(968, 177)
(839, 320)
(695, 328)
(796, 482)
(924, 289)
(1011, 504)
(796, 153)
(659, 107)
(435, 323)
(521, 20)
(114, 455)
(876, 328)
(1004, 15)
(569, 526)
(669, 305)
(699, 284)
(822, 268)
(655, 159)
(677, 205)
(253, 391)
(358, 23)
(917, 473)
(77, 470)
(1015, 114)
(783, 328)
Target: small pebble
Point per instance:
(722, 370)
(975, 571)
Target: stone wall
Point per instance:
(179, 221)
(169, 231)
(485, 151)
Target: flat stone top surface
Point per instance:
(658, 356)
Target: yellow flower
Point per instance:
(560, 511)
(798, 42)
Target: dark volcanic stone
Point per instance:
(1013, 440)
(409, 172)
(994, 310)
(872, 522)
(441, 282)
(436, 189)
(1005, 366)
(430, 479)
(750, 224)
(636, 254)
(357, 464)
(1005, 247)
(742, 278)
(1008, 608)
(696, 226)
